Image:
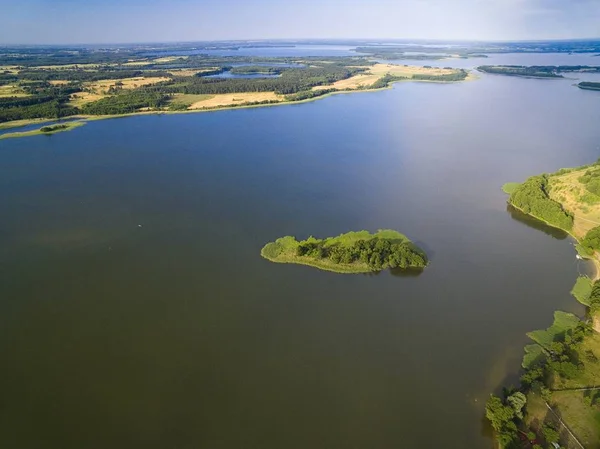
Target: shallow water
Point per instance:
(135, 309)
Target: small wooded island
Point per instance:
(353, 252)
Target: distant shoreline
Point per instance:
(90, 118)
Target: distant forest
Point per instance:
(536, 71)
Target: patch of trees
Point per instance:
(55, 108)
(378, 253)
(591, 180)
(7, 78)
(591, 241)
(291, 81)
(514, 70)
(307, 94)
(505, 416)
(386, 80)
(532, 198)
(460, 75)
(589, 85)
(37, 56)
(46, 101)
(506, 413)
(126, 102)
(84, 75)
(594, 299)
(49, 129)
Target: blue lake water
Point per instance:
(135, 310)
(228, 75)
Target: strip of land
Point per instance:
(545, 72)
(45, 130)
(120, 85)
(558, 399)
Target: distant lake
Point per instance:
(228, 75)
(136, 311)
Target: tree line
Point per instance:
(377, 253)
(531, 197)
(589, 85)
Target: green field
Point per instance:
(582, 289)
(580, 410)
(563, 321)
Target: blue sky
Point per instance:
(121, 21)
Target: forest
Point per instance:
(531, 197)
(378, 254)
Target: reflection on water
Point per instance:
(411, 272)
(534, 223)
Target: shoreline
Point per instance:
(595, 260)
(90, 118)
(68, 126)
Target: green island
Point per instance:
(544, 71)
(353, 252)
(45, 130)
(53, 83)
(588, 85)
(558, 399)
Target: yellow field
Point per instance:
(567, 190)
(407, 70)
(9, 68)
(189, 98)
(354, 82)
(128, 83)
(58, 82)
(12, 91)
(80, 98)
(378, 71)
(163, 60)
(222, 100)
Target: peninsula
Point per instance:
(588, 85)
(353, 252)
(38, 85)
(558, 399)
(545, 71)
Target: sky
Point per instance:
(125, 21)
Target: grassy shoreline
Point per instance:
(68, 126)
(562, 364)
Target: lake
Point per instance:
(136, 310)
